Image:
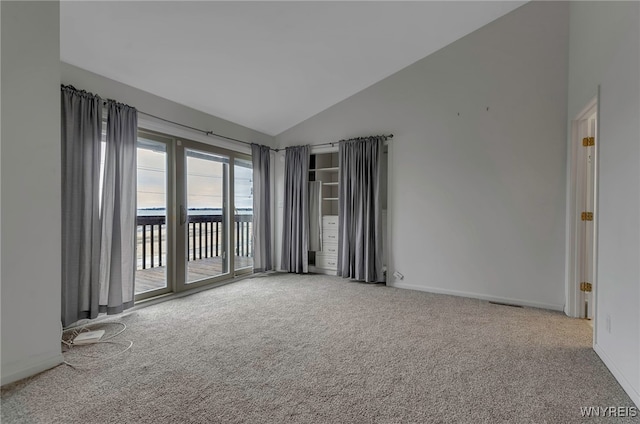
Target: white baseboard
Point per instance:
(26, 368)
(478, 296)
(619, 375)
(314, 270)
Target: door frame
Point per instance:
(229, 237)
(182, 236)
(169, 212)
(574, 307)
(233, 151)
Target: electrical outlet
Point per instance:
(608, 323)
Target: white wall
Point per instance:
(158, 106)
(30, 177)
(605, 45)
(476, 196)
(596, 28)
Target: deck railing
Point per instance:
(205, 238)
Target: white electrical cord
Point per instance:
(75, 331)
(100, 360)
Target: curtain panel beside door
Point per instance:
(81, 115)
(295, 228)
(359, 210)
(98, 238)
(118, 251)
(261, 159)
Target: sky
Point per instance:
(204, 181)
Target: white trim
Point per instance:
(30, 366)
(587, 110)
(619, 375)
(323, 271)
(570, 233)
(596, 215)
(520, 302)
(572, 306)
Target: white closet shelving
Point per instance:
(324, 168)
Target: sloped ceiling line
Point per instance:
(264, 65)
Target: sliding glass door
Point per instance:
(195, 214)
(215, 204)
(153, 230)
(204, 215)
(243, 221)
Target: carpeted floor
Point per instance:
(317, 349)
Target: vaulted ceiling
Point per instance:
(265, 65)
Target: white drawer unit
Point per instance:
(330, 248)
(326, 261)
(329, 236)
(330, 222)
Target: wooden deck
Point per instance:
(155, 278)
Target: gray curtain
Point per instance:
(118, 252)
(359, 213)
(295, 228)
(315, 216)
(261, 159)
(81, 133)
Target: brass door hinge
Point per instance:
(585, 287)
(586, 216)
(589, 141)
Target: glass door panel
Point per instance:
(243, 222)
(206, 176)
(151, 220)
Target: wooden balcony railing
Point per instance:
(205, 238)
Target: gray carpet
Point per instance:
(315, 349)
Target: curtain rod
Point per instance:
(333, 143)
(211, 133)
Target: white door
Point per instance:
(586, 191)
